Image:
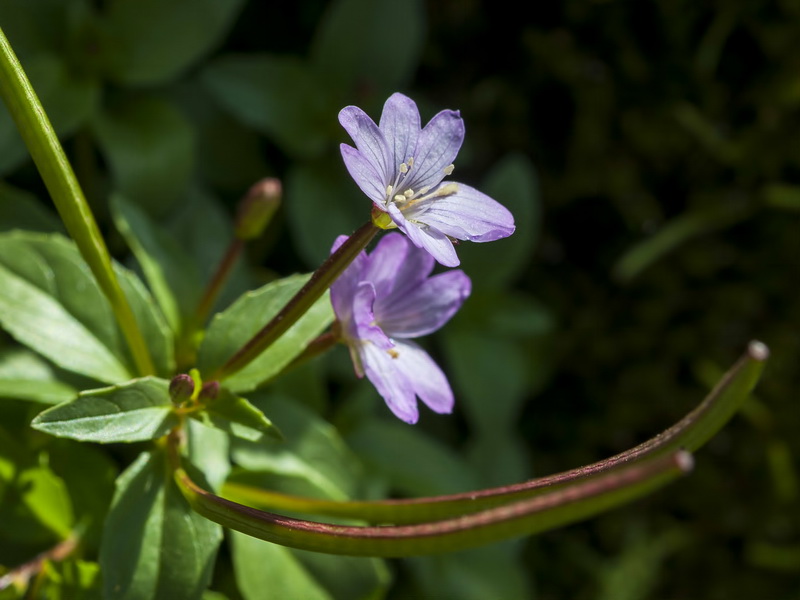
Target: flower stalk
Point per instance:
(319, 282)
(690, 433)
(56, 171)
(525, 517)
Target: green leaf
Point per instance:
(353, 50)
(21, 210)
(131, 412)
(409, 461)
(320, 188)
(514, 184)
(231, 329)
(238, 417)
(266, 571)
(26, 376)
(150, 41)
(151, 322)
(208, 449)
(71, 579)
(313, 450)
(69, 102)
(148, 144)
(170, 272)
(154, 546)
(35, 507)
(51, 303)
(41, 322)
(277, 95)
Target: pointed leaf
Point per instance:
(39, 321)
(313, 450)
(172, 276)
(231, 329)
(154, 545)
(131, 412)
(52, 304)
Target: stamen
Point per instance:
(446, 190)
(393, 353)
(404, 168)
(448, 170)
(400, 198)
(389, 189)
(408, 193)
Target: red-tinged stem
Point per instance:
(525, 517)
(689, 433)
(319, 282)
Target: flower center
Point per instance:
(406, 198)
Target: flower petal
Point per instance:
(369, 141)
(396, 266)
(469, 215)
(427, 379)
(423, 309)
(364, 328)
(437, 148)
(363, 172)
(345, 286)
(434, 242)
(391, 382)
(400, 126)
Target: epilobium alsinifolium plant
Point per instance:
(143, 364)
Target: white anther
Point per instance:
(448, 170)
(408, 193)
(404, 168)
(400, 198)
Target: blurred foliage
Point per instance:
(658, 233)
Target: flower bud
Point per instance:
(181, 388)
(209, 391)
(257, 208)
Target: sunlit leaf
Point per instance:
(130, 412)
(154, 545)
(231, 329)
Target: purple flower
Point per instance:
(401, 167)
(384, 299)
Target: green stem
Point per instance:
(690, 433)
(320, 281)
(525, 517)
(49, 157)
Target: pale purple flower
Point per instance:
(400, 167)
(384, 299)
